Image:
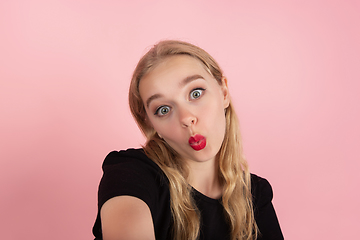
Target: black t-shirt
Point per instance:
(130, 172)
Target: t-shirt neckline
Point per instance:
(206, 198)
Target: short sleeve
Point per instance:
(264, 211)
(131, 173)
(124, 175)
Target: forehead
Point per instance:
(171, 70)
(178, 64)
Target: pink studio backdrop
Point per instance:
(293, 70)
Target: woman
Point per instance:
(190, 180)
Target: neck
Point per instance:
(204, 178)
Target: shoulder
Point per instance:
(129, 156)
(129, 163)
(261, 190)
(264, 211)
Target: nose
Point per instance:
(187, 118)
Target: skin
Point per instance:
(126, 218)
(181, 99)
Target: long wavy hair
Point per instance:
(233, 169)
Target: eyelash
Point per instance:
(158, 110)
(197, 89)
(164, 106)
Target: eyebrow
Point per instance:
(181, 84)
(190, 79)
(155, 96)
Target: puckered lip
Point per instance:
(197, 142)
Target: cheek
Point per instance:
(166, 130)
(214, 114)
(215, 121)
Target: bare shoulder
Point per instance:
(126, 217)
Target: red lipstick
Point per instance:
(197, 142)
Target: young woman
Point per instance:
(190, 180)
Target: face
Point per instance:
(185, 105)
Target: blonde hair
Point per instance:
(234, 174)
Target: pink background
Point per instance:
(294, 73)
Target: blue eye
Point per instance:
(163, 110)
(196, 93)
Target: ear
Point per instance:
(225, 91)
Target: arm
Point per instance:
(126, 217)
